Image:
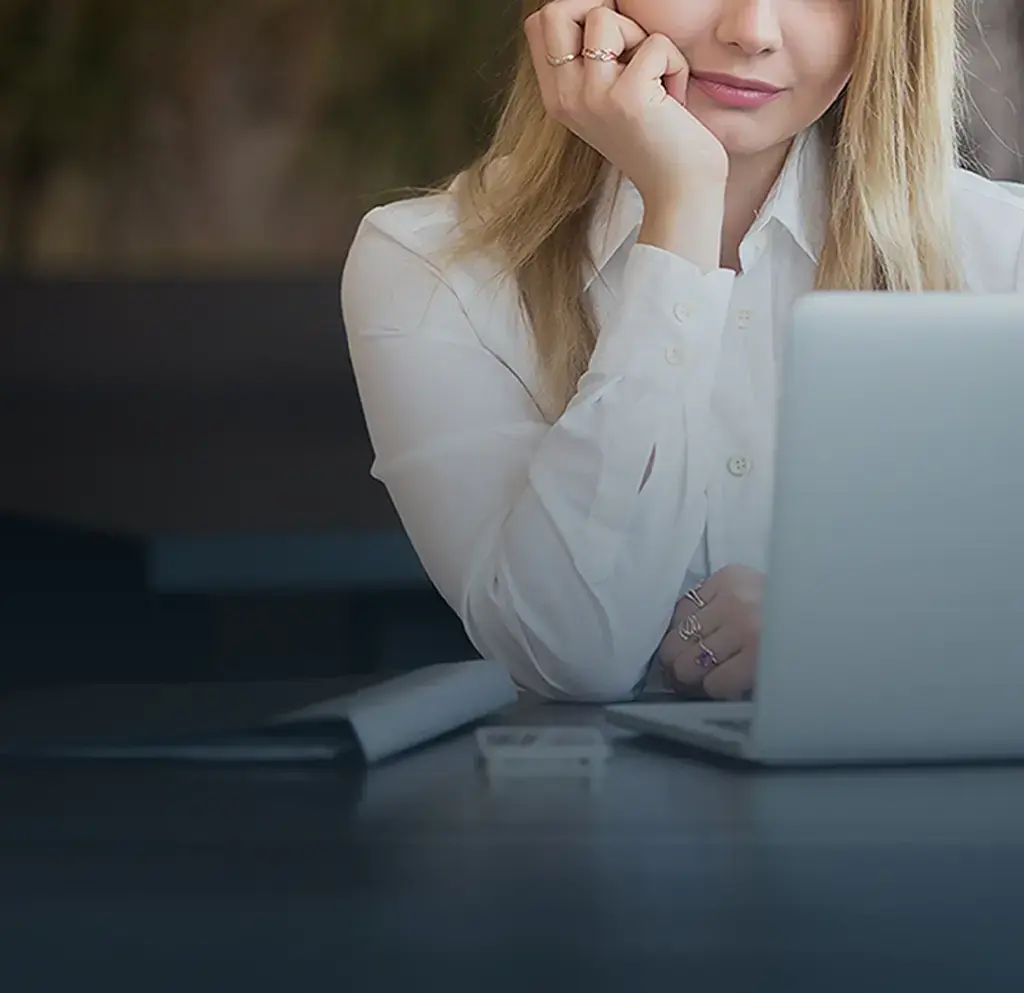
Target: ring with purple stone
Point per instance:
(707, 658)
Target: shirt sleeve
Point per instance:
(563, 546)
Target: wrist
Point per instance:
(682, 197)
(688, 225)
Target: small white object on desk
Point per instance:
(542, 752)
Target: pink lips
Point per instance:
(733, 92)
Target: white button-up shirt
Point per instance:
(562, 555)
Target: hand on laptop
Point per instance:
(711, 648)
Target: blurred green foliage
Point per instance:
(132, 98)
(416, 81)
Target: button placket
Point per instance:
(675, 354)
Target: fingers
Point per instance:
(680, 651)
(573, 24)
(657, 67)
(606, 29)
(566, 27)
(688, 691)
(713, 585)
(673, 644)
(732, 680)
(725, 643)
(557, 29)
(712, 615)
(689, 622)
(727, 625)
(562, 27)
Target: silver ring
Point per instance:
(600, 54)
(690, 629)
(561, 60)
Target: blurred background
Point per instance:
(209, 133)
(184, 471)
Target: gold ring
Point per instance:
(561, 60)
(694, 597)
(600, 54)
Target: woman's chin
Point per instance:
(737, 137)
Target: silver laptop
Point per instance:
(893, 626)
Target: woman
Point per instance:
(568, 358)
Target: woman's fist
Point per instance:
(715, 635)
(620, 106)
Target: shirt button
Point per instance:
(674, 355)
(682, 312)
(743, 319)
(739, 465)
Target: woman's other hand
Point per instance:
(715, 636)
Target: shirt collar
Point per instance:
(797, 201)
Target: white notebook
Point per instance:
(244, 723)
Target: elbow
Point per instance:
(579, 679)
(564, 679)
(561, 678)
(602, 690)
(567, 661)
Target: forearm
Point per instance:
(576, 606)
(579, 580)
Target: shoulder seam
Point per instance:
(431, 265)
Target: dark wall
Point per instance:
(138, 410)
(183, 405)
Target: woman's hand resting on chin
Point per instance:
(711, 648)
(622, 107)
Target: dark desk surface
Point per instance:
(420, 876)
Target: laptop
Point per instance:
(893, 619)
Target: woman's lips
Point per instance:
(733, 96)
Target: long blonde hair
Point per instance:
(893, 139)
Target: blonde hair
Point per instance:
(892, 139)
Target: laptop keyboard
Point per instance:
(741, 724)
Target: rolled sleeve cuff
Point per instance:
(670, 322)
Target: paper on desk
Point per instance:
(414, 708)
